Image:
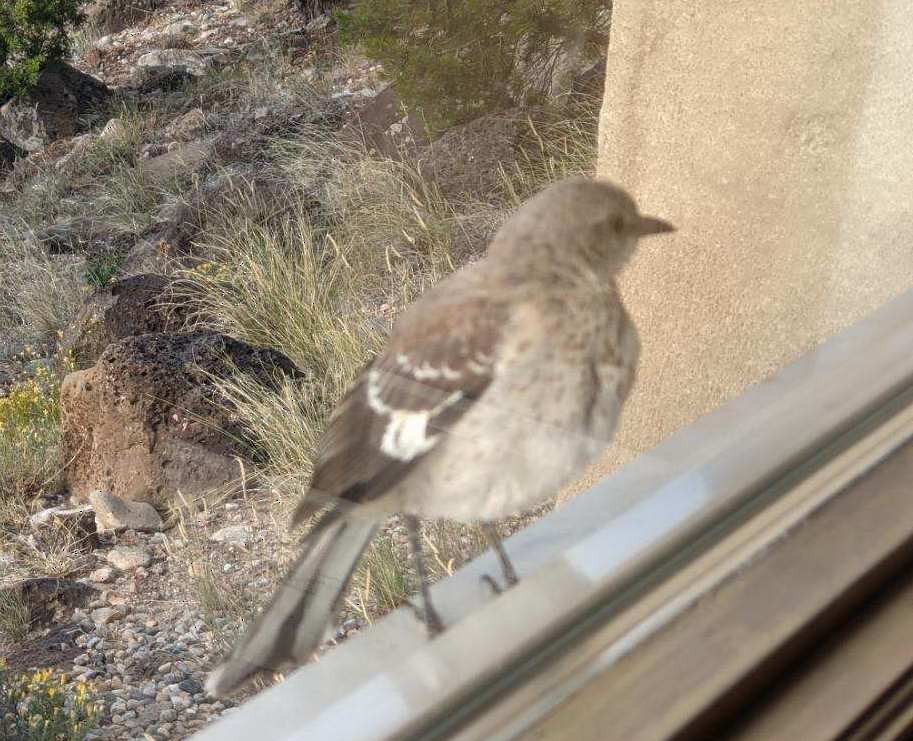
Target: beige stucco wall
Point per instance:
(778, 137)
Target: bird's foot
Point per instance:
(429, 616)
(510, 580)
(433, 622)
(490, 581)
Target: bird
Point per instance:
(496, 388)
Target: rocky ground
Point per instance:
(148, 612)
(139, 636)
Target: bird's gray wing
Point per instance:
(437, 364)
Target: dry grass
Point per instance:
(129, 201)
(250, 6)
(265, 77)
(559, 145)
(30, 461)
(224, 604)
(57, 551)
(384, 580)
(31, 464)
(15, 615)
(98, 184)
(393, 228)
(322, 294)
(286, 425)
(448, 545)
(273, 285)
(386, 577)
(39, 293)
(84, 38)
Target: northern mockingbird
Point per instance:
(496, 389)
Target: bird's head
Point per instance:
(590, 222)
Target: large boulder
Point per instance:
(383, 125)
(132, 306)
(467, 160)
(53, 110)
(182, 161)
(146, 421)
(160, 60)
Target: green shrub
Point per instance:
(101, 269)
(457, 59)
(33, 33)
(345, 26)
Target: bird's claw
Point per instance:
(490, 581)
(433, 623)
(495, 586)
(429, 616)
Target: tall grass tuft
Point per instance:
(15, 614)
(39, 293)
(557, 145)
(273, 285)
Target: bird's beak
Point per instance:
(649, 225)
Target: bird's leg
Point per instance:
(430, 616)
(507, 568)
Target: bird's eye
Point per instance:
(617, 224)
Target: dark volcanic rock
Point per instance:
(146, 421)
(131, 306)
(53, 110)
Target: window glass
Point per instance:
(222, 221)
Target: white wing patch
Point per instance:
(406, 434)
(426, 371)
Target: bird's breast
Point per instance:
(531, 434)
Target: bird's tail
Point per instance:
(290, 628)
